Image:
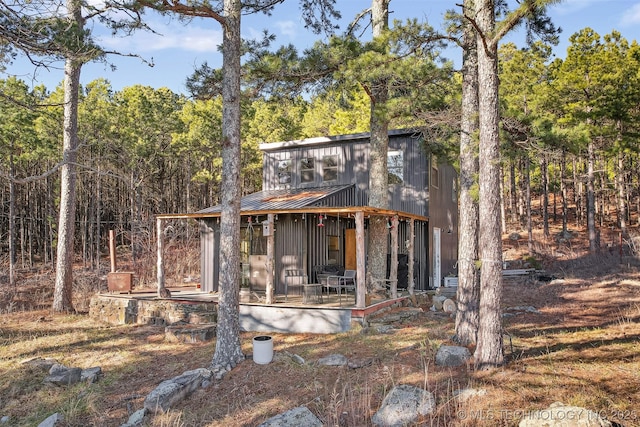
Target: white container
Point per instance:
(262, 349)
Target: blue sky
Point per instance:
(178, 48)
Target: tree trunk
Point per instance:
(622, 206)
(489, 352)
(563, 192)
(527, 192)
(468, 293)
(513, 191)
(12, 220)
(545, 194)
(591, 199)
(63, 292)
(378, 176)
(228, 351)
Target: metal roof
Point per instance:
(293, 200)
(282, 200)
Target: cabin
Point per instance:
(314, 208)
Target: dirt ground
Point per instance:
(572, 335)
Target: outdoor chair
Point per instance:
(347, 282)
(294, 278)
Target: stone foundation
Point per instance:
(161, 312)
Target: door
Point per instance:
(350, 262)
(437, 274)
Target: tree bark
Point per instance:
(489, 352)
(228, 351)
(63, 292)
(591, 199)
(544, 175)
(622, 206)
(468, 292)
(378, 176)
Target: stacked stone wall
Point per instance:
(161, 312)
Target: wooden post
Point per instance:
(112, 251)
(270, 258)
(410, 245)
(361, 289)
(393, 268)
(160, 259)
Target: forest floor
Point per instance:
(581, 347)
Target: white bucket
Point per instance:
(262, 349)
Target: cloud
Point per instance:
(568, 7)
(287, 28)
(631, 16)
(191, 37)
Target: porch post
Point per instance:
(270, 264)
(360, 261)
(159, 255)
(393, 267)
(410, 245)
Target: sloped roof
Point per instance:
(293, 200)
(282, 200)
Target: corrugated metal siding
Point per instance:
(209, 250)
(302, 244)
(412, 196)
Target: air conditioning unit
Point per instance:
(450, 282)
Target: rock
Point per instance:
(467, 393)
(52, 421)
(449, 306)
(300, 416)
(523, 309)
(403, 405)
(560, 415)
(333, 360)
(438, 300)
(91, 375)
(61, 375)
(169, 392)
(360, 363)
(136, 418)
(190, 334)
(5, 419)
(40, 363)
(451, 355)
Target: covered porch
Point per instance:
(302, 231)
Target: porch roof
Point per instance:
(298, 200)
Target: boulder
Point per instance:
(169, 392)
(451, 355)
(52, 421)
(403, 405)
(300, 416)
(333, 360)
(61, 375)
(560, 415)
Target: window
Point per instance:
(395, 167)
(434, 173)
(330, 168)
(284, 171)
(307, 170)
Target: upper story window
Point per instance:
(307, 169)
(330, 168)
(395, 167)
(284, 171)
(435, 174)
